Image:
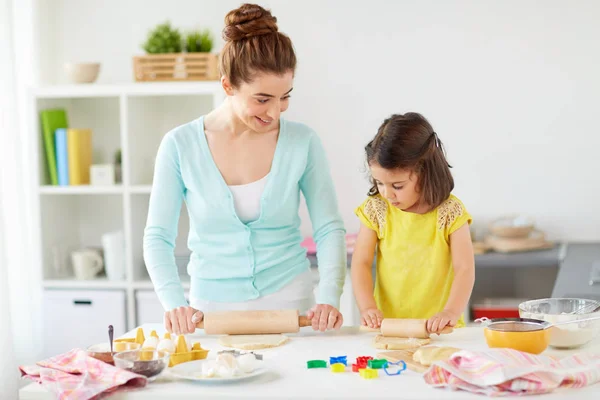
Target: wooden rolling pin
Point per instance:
(401, 327)
(252, 322)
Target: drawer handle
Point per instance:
(595, 274)
(82, 302)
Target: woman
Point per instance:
(240, 170)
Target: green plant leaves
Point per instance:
(166, 39)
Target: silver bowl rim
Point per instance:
(495, 322)
(121, 355)
(532, 301)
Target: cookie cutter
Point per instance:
(316, 364)
(338, 367)
(237, 353)
(361, 362)
(398, 370)
(377, 363)
(338, 360)
(368, 373)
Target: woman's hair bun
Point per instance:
(247, 21)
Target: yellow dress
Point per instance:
(414, 265)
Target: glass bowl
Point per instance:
(567, 336)
(149, 363)
(101, 351)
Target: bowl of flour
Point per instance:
(554, 310)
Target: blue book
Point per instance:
(62, 159)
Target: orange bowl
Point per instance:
(534, 341)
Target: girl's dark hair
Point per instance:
(253, 44)
(407, 141)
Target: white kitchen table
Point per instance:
(290, 379)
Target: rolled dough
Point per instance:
(428, 355)
(396, 343)
(252, 342)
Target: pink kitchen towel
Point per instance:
(75, 375)
(507, 372)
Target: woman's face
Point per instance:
(258, 104)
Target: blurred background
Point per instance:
(511, 87)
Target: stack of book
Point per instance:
(68, 150)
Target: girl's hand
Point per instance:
(325, 317)
(182, 320)
(371, 317)
(439, 321)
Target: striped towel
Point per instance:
(506, 372)
(75, 375)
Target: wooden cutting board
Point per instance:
(406, 356)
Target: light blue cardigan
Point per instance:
(232, 261)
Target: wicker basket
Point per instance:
(176, 67)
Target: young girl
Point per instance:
(425, 263)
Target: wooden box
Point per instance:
(176, 67)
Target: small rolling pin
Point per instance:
(400, 327)
(252, 322)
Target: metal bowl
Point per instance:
(101, 351)
(149, 363)
(563, 309)
(523, 334)
(517, 324)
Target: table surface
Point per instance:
(289, 378)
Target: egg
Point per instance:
(150, 343)
(247, 362)
(166, 345)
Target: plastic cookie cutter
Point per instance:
(257, 356)
(377, 363)
(316, 364)
(338, 367)
(368, 373)
(361, 363)
(398, 370)
(338, 360)
(232, 352)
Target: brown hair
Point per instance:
(253, 44)
(409, 142)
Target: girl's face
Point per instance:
(398, 186)
(259, 104)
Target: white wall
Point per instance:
(511, 87)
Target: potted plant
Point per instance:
(163, 39)
(199, 41)
(171, 56)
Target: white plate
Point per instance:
(193, 371)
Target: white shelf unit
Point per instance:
(131, 117)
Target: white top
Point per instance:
(246, 199)
(296, 295)
(290, 379)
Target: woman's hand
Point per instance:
(324, 317)
(182, 320)
(439, 321)
(371, 317)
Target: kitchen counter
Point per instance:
(290, 379)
